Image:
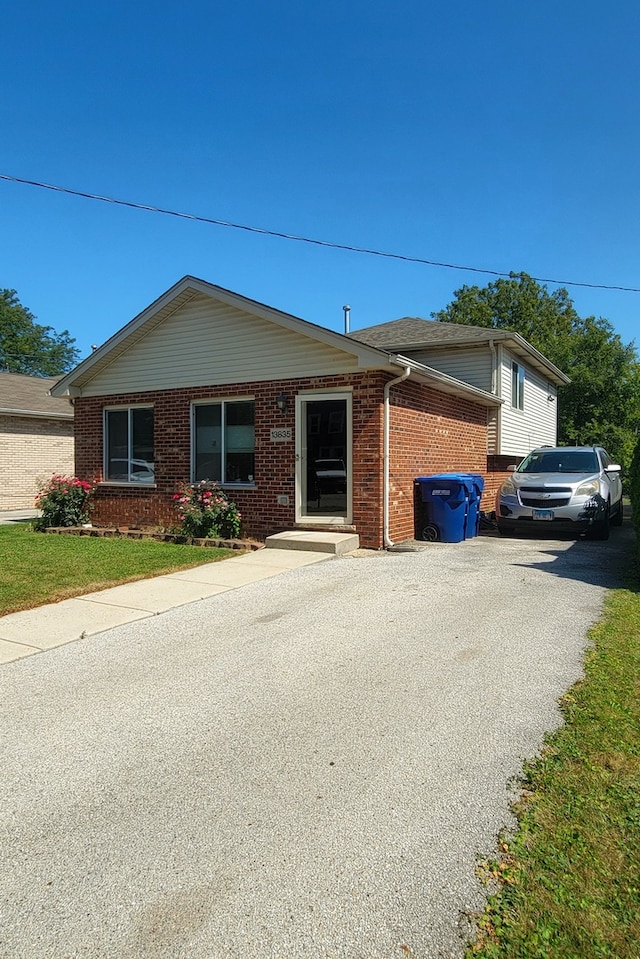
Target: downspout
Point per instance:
(385, 456)
(494, 365)
(496, 392)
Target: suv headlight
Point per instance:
(590, 488)
(508, 488)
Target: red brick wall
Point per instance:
(497, 472)
(430, 432)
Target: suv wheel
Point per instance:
(616, 519)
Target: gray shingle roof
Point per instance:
(28, 396)
(412, 332)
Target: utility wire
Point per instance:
(303, 239)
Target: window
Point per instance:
(223, 441)
(560, 460)
(517, 386)
(129, 445)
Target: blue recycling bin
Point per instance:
(445, 501)
(475, 487)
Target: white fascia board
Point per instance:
(69, 391)
(41, 414)
(538, 360)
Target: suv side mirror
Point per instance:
(613, 468)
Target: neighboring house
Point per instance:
(36, 437)
(304, 428)
(499, 361)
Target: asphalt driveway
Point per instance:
(308, 766)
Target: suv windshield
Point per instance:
(560, 461)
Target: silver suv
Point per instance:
(570, 488)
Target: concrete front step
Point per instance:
(319, 542)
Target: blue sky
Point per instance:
(498, 135)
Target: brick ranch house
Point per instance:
(36, 437)
(303, 427)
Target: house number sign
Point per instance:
(281, 435)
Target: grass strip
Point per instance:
(38, 568)
(569, 879)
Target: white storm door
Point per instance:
(323, 458)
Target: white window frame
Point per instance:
(517, 385)
(222, 402)
(130, 481)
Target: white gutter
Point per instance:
(385, 456)
(11, 411)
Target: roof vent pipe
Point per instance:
(347, 313)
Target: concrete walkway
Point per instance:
(34, 630)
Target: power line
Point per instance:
(304, 239)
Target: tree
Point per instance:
(602, 402)
(634, 493)
(27, 346)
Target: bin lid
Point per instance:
(471, 481)
(454, 477)
(463, 478)
(452, 485)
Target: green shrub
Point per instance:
(634, 493)
(64, 501)
(206, 511)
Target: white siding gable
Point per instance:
(206, 342)
(472, 366)
(536, 425)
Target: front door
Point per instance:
(323, 458)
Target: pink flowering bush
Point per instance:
(64, 501)
(205, 510)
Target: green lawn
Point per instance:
(38, 568)
(569, 880)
